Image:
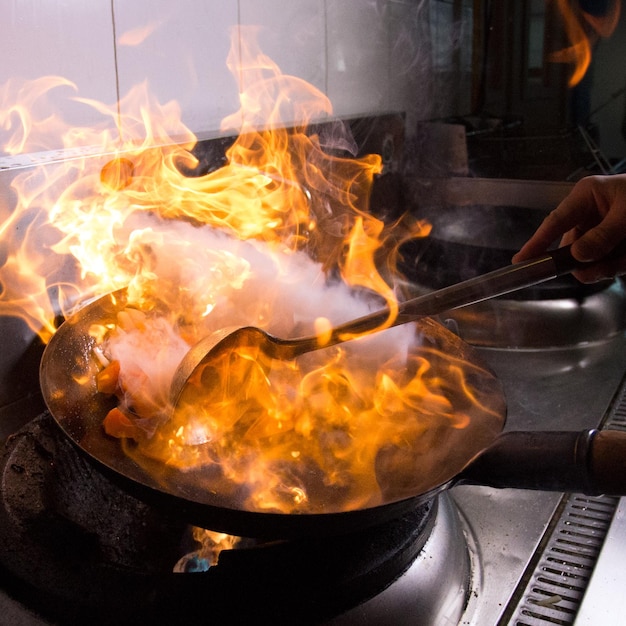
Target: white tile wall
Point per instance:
(346, 48)
(292, 34)
(68, 38)
(358, 53)
(180, 48)
(410, 52)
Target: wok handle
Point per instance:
(592, 462)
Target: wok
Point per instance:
(590, 462)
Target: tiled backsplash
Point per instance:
(368, 56)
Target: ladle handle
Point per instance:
(592, 462)
(484, 287)
(489, 285)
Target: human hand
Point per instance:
(593, 219)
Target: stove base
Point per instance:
(440, 587)
(74, 547)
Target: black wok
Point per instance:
(590, 462)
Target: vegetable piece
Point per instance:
(117, 424)
(107, 379)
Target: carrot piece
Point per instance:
(107, 378)
(117, 424)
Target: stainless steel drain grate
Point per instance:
(555, 588)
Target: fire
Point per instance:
(137, 36)
(280, 237)
(583, 29)
(210, 545)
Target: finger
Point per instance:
(600, 240)
(557, 224)
(576, 209)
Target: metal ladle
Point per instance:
(490, 285)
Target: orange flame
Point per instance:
(261, 241)
(136, 36)
(582, 29)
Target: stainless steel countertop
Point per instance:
(551, 390)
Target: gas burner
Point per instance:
(75, 547)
